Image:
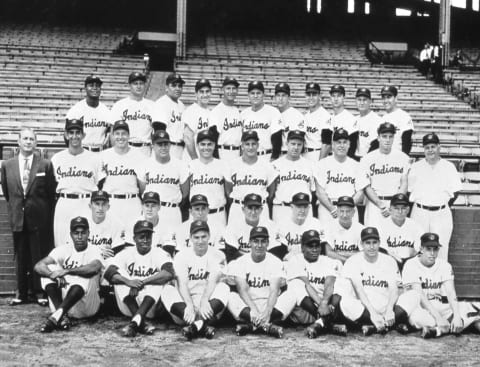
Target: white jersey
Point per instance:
(170, 113)
(165, 178)
(139, 116)
(401, 242)
(344, 241)
(121, 171)
(76, 173)
(250, 178)
(291, 232)
(291, 119)
(208, 179)
(316, 272)
(196, 117)
(110, 232)
(433, 185)
(198, 269)
(315, 122)
(179, 237)
(257, 275)
(402, 121)
(367, 131)
(384, 171)
(338, 178)
(375, 277)
(237, 234)
(158, 234)
(265, 122)
(67, 257)
(229, 124)
(95, 121)
(343, 120)
(293, 177)
(132, 265)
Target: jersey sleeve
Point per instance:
(351, 269)
(276, 120)
(116, 113)
(361, 179)
(184, 171)
(333, 267)
(188, 118)
(294, 268)
(272, 173)
(58, 254)
(161, 258)
(95, 254)
(447, 272)
(230, 236)
(321, 174)
(454, 180)
(72, 113)
(275, 268)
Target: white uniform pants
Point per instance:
(153, 291)
(170, 217)
(373, 214)
(228, 156)
(312, 156)
(65, 210)
(125, 210)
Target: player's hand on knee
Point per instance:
(57, 274)
(456, 326)
(189, 314)
(255, 317)
(133, 292)
(135, 283)
(206, 310)
(389, 318)
(377, 320)
(61, 282)
(264, 317)
(324, 310)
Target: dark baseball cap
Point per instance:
(365, 92)
(296, 134)
(136, 75)
(399, 199)
(300, 198)
(340, 134)
(174, 78)
(346, 201)
(74, 124)
(337, 88)
(257, 232)
(202, 83)
(142, 226)
(431, 138)
(160, 136)
(249, 134)
(93, 79)
(199, 225)
(369, 233)
(99, 195)
(256, 84)
(252, 199)
(205, 135)
(430, 239)
(78, 222)
(310, 236)
(230, 80)
(282, 87)
(386, 127)
(312, 87)
(151, 197)
(120, 125)
(389, 90)
(198, 199)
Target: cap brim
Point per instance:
(143, 230)
(199, 203)
(371, 237)
(78, 226)
(430, 244)
(312, 90)
(312, 240)
(301, 202)
(150, 201)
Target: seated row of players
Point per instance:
(309, 288)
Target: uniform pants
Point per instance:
(373, 214)
(169, 217)
(65, 210)
(176, 151)
(125, 210)
(151, 290)
(312, 156)
(228, 156)
(236, 213)
(353, 308)
(236, 305)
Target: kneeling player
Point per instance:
(432, 297)
(201, 297)
(139, 274)
(70, 278)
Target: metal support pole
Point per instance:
(444, 30)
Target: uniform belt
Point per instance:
(385, 197)
(216, 210)
(282, 204)
(125, 196)
(133, 144)
(284, 152)
(431, 208)
(442, 299)
(179, 143)
(236, 201)
(263, 152)
(74, 196)
(93, 149)
(229, 147)
(168, 205)
(312, 149)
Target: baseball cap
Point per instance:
(295, 134)
(431, 138)
(312, 87)
(310, 236)
(174, 78)
(142, 226)
(249, 134)
(399, 199)
(346, 201)
(136, 75)
(369, 233)
(120, 124)
(282, 87)
(199, 225)
(340, 134)
(230, 80)
(151, 197)
(257, 232)
(93, 79)
(389, 90)
(78, 222)
(430, 239)
(99, 195)
(386, 127)
(337, 88)
(202, 83)
(365, 92)
(198, 199)
(256, 84)
(252, 199)
(160, 136)
(300, 198)
(74, 124)
(205, 135)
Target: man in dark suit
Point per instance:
(28, 184)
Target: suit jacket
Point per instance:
(34, 207)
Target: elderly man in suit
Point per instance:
(28, 184)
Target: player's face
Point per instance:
(252, 212)
(281, 99)
(399, 212)
(74, 137)
(200, 241)
(294, 148)
(93, 90)
(80, 238)
(143, 240)
(337, 99)
(345, 215)
(389, 102)
(432, 151)
(199, 212)
(385, 141)
(206, 148)
(255, 96)
(27, 142)
(150, 210)
(99, 208)
(174, 90)
(311, 251)
(203, 96)
(429, 255)
(161, 149)
(230, 93)
(370, 248)
(363, 104)
(137, 88)
(120, 138)
(259, 246)
(340, 147)
(313, 99)
(250, 148)
(300, 211)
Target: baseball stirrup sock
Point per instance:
(308, 305)
(75, 294)
(216, 305)
(178, 309)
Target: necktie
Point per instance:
(26, 173)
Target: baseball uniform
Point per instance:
(344, 120)
(179, 237)
(345, 241)
(401, 242)
(197, 119)
(229, 126)
(290, 119)
(291, 233)
(367, 131)
(315, 122)
(402, 121)
(170, 113)
(158, 234)
(237, 234)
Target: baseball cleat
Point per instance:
(339, 329)
(403, 329)
(190, 332)
(314, 330)
(146, 328)
(274, 330)
(368, 330)
(209, 332)
(429, 333)
(243, 329)
(130, 330)
(65, 323)
(49, 326)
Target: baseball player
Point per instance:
(226, 122)
(138, 112)
(121, 174)
(295, 174)
(167, 176)
(368, 122)
(196, 116)
(317, 120)
(265, 120)
(139, 275)
(248, 174)
(170, 108)
(433, 184)
(70, 277)
(258, 277)
(76, 172)
(201, 295)
(432, 300)
(337, 175)
(207, 177)
(95, 115)
(399, 118)
(341, 118)
(386, 172)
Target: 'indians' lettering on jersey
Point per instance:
(69, 263)
(315, 279)
(202, 124)
(248, 180)
(95, 123)
(200, 274)
(295, 240)
(396, 242)
(134, 270)
(384, 169)
(138, 115)
(97, 240)
(312, 129)
(371, 281)
(243, 246)
(74, 172)
(257, 282)
(175, 117)
(160, 179)
(232, 124)
(294, 176)
(345, 246)
(253, 125)
(339, 178)
(118, 171)
(207, 180)
(363, 134)
(429, 283)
